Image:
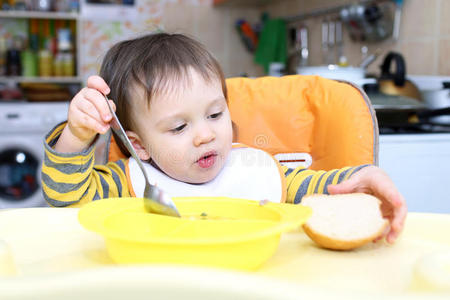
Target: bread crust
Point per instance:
(336, 244)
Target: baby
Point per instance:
(170, 96)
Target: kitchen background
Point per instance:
(48, 48)
(424, 37)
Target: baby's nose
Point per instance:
(204, 134)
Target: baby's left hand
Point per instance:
(372, 180)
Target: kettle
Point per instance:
(396, 83)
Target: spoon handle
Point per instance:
(117, 128)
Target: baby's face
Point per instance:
(188, 132)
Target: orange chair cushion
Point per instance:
(332, 121)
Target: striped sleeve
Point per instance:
(72, 179)
(301, 181)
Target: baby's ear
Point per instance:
(138, 146)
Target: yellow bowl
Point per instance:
(236, 233)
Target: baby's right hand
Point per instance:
(88, 112)
(88, 115)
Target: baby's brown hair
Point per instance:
(156, 63)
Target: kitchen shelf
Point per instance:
(48, 15)
(53, 79)
(17, 14)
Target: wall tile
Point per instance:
(419, 57)
(444, 62)
(421, 34)
(179, 17)
(276, 9)
(384, 47)
(210, 28)
(418, 19)
(444, 19)
(240, 60)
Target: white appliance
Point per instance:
(418, 165)
(23, 127)
(417, 159)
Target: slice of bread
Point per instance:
(344, 221)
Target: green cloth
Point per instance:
(272, 44)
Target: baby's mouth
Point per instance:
(207, 160)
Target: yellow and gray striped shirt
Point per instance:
(72, 179)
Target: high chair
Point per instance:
(300, 119)
(332, 122)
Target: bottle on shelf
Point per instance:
(29, 63)
(43, 5)
(17, 4)
(13, 58)
(45, 54)
(6, 5)
(3, 50)
(65, 55)
(52, 38)
(66, 5)
(30, 54)
(45, 63)
(46, 48)
(33, 35)
(74, 5)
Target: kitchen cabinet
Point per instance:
(418, 164)
(52, 16)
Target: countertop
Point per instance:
(46, 254)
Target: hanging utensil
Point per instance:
(341, 59)
(369, 59)
(331, 42)
(397, 19)
(325, 41)
(304, 52)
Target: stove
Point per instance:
(402, 115)
(414, 129)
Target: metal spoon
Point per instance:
(155, 199)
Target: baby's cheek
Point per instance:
(169, 156)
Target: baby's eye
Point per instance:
(215, 116)
(178, 129)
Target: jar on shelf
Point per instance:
(45, 63)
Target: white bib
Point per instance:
(248, 173)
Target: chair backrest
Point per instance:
(334, 122)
